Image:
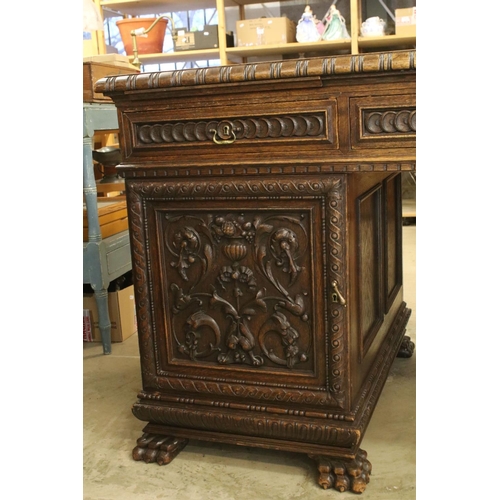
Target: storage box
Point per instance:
(198, 40)
(209, 38)
(112, 215)
(96, 67)
(121, 306)
(185, 40)
(265, 31)
(406, 22)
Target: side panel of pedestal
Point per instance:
(375, 264)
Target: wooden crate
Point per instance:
(95, 68)
(112, 218)
(114, 190)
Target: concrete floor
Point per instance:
(208, 471)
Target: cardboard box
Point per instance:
(87, 325)
(265, 31)
(198, 40)
(122, 314)
(406, 22)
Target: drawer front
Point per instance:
(383, 122)
(293, 127)
(207, 128)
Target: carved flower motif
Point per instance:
(246, 276)
(187, 239)
(226, 274)
(241, 274)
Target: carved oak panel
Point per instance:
(235, 285)
(241, 286)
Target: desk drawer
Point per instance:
(383, 122)
(244, 128)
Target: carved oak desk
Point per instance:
(265, 219)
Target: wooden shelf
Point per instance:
(386, 41)
(226, 55)
(145, 7)
(289, 48)
(180, 56)
(274, 49)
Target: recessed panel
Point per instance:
(371, 267)
(393, 239)
(240, 290)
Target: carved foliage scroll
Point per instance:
(238, 291)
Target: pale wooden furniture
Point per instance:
(104, 259)
(265, 215)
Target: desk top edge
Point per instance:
(339, 65)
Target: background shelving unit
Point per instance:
(229, 11)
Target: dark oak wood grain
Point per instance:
(264, 205)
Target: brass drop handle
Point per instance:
(227, 130)
(336, 295)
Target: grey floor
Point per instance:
(207, 471)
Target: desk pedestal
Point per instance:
(265, 212)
